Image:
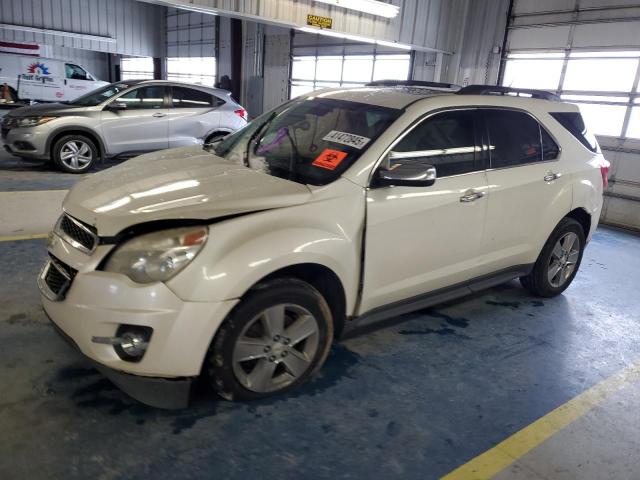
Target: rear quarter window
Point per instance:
(574, 123)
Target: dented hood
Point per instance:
(181, 183)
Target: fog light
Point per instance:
(133, 343)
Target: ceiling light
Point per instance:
(374, 7)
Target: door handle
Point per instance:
(550, 176)
(471, 196)
(159, 114)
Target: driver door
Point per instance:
(420, 239)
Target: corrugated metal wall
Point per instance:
(190, 34)
(138, 28)
(589, 24)
(430, 24)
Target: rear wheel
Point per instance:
(558, 262)
(74, 153)
(275, 339)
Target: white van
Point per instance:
(45, 79)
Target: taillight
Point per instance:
(241, 112)
(604, 171)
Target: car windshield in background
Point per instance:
(98, 96)
(311, 141)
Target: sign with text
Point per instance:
(318, 21)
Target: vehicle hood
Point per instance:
(44, 109)
(181, 183)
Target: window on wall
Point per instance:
(198, 70)
(601, 83)
(136, 68)
(309, 73)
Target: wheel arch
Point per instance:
(74, 130)
(323, 279)
(583, 218)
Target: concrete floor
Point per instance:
(415, 399)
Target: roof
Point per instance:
(384, 96)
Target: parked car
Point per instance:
(121, 119)
(335, 210)
(45, 79)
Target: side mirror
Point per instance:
(117, 106)
(411, 174)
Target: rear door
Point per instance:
(192, 115)
(528, 189)
(142, 126)
(420, 239)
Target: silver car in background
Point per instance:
(122, 119)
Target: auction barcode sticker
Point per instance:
(348, 139)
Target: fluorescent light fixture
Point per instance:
(373, 7)
(61, 33)
(355, 38)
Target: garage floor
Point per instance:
(416, 399)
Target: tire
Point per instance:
(238, 373)
(541, 281)
(80, 160)
(214, 137)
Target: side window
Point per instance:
(190, 98)
(550, 149)
(514, 138)
(446, 141)
(75, 72)
(573, 122)
(144, 97)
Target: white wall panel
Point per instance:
(137, 28)
(190, 34)
(607, 34)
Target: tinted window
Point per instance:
(191, 98)
(573, 122)
(550, 149)
(75, 72)
(514, 138)
(445, 141)
(144, 97)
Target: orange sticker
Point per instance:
(329, 159)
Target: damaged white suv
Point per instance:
(337, 209)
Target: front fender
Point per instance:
(242, 251)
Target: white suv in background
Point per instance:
(334, 210)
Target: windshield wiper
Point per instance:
(254, 135)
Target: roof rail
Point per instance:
(497, 90)
(412, 83)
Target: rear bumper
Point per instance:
(157, 392)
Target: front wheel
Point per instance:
(558, 262)
(274, 340)
(74, 153)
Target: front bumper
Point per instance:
(29, 143)
(97, 303)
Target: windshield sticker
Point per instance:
(349, 139)
(329, 159)
(280, 135)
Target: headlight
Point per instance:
(32, 121)
(158, 256)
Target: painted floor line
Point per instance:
(6, 192)
(493, 461)
(30, 236)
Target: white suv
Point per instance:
(334, 210)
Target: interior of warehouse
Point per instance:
(112, 112)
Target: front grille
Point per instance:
(55, 279)
(77, 233)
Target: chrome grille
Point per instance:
(79, 235)
(55, 279)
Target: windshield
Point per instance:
(98, 96)
(311, 141)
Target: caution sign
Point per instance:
(318, 21)
(329, 159)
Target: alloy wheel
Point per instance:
(275, 348)
(76, 154)
(564, 258)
